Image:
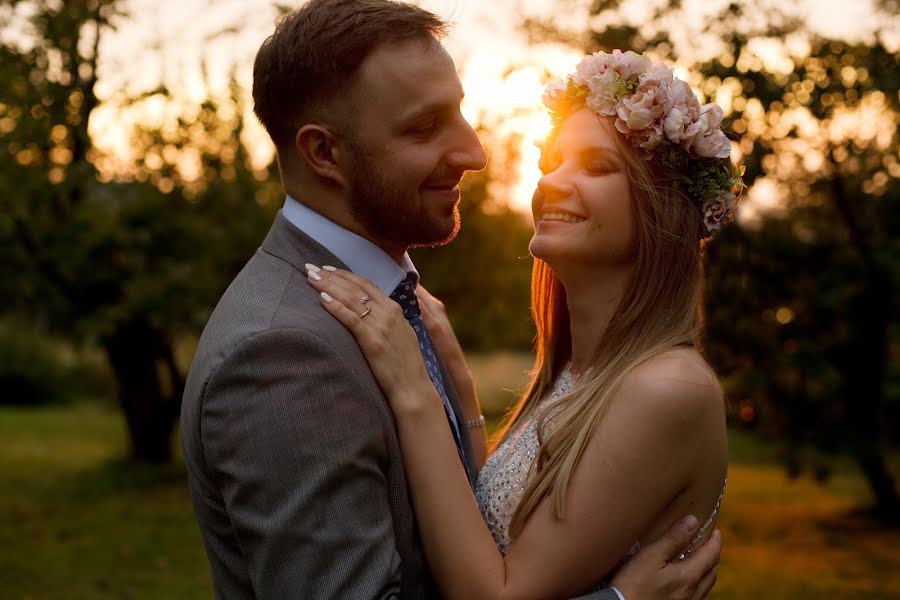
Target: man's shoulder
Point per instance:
(266, 311)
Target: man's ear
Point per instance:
(320, 148)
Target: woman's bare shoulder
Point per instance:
(676, 383)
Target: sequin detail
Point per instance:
(502, 481)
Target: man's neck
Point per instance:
(334, 209)
(360, 254)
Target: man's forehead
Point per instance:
(418, 72)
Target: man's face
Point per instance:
(410, 146)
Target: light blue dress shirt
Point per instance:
(359, 254)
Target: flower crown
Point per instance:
(661, 118)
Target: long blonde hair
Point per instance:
(659, 310)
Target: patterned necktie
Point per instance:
(405, 296)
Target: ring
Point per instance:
(365, 299)
(368, 310)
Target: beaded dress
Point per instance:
(502, 481)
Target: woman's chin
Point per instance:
(543, 247)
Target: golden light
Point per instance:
(784, 315)
(507, 101)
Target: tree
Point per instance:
(128, 264)
(133, 260)
(802, 308)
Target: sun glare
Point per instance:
(507, 102)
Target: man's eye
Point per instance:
(424, 129)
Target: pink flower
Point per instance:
(592, 65)
(704, 137)
(629, 64)
(605, 91)
(683, 110)
(647, 105)
(609, 77)
(717, 211)
(554, 92)
(644, 140)
(658, 72)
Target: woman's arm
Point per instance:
(635, 465)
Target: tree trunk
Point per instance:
(149, 388)
(865, 361)
(864, 367)
(865, 373)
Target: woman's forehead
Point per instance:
(580, 132)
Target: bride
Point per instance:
(622, 429)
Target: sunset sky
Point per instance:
(503, 77)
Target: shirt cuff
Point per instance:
(618, 593)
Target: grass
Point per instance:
(78, 523)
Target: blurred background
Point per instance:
(135, 182)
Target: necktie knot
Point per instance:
(405, 295)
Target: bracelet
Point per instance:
(474, 423)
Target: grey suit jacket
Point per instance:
(291, 449)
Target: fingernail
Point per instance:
(326, 297)
(688, 524)
(329, 268)
(314, 275)
(311, 267)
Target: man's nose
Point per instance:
(468, 153)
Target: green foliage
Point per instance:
(31, 373)
(124, 263)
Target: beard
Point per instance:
(391, 213)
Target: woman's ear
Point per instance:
(320, 148)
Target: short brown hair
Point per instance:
(312, 57)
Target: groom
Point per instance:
(292, 455)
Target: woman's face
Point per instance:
(582, 207)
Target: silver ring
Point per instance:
(365, 299)
(368, 310)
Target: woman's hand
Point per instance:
(435, 316)
(443, 337)
(382, 332)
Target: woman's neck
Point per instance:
(592, 296)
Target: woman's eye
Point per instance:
(600, 166)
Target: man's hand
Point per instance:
(650, 575)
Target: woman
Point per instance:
(623, 427)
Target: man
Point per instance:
(292, 455)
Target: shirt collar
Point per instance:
(359, 254)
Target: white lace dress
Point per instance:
(502, 481)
